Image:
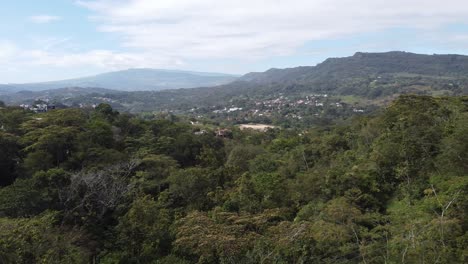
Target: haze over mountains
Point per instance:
(371, 76)
(133, 80)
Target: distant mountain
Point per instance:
(367, 64)
(373, 77)
(134, 80)
(5, 89)
(370, 75)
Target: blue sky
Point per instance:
(58, 39)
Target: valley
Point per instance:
(335, 89)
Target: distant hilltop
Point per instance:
(134, 80)
(363, 64)
(372, 77)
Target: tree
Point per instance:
(143, 233)
(31, 196)
(151, 175)
(221, 237)
(92, 195)
(405, 152)
(99, 133)
(11, 119)
(51, 140)
(106, 111)
(49, 147)
(38, 240)
(240, 156)
(190, 187)
(9, 158)
(454, 151)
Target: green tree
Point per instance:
(31, 196)
(151, 176)
(105, 111)
(143, 233)
(38, 240)
(9, 158)
(240, 156)
(190, 187)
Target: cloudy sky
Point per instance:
(57, 39)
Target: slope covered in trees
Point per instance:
(80, 186)
(369, 76)
(363, 63)
(373, 77)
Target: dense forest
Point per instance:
(99, 186)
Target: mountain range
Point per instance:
(367, 64)
(365, 75)
(132, 80)
(369, 76)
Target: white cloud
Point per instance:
(176, 33)
(44, 19)
(259, 28)
(16, 57)
(7, 51)
(104, 59)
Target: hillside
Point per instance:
(84, 184)
(367, 64)
(371, 77)
(135, 80)
(60, 94)
(6, 89)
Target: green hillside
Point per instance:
(97, 186)
(374, 76)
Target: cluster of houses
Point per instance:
(105, 99)
(312, 100)
(290, 107)
(227, 133)
(38, 108)
(227, 110)
(268, 107)
(81, 105)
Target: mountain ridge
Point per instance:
(365, 76)
(369, 63)
(132, 80)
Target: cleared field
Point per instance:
(259, 127)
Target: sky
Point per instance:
(45, 40)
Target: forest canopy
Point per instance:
(99, 186)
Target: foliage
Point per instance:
(83, 185)
(37, 240)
